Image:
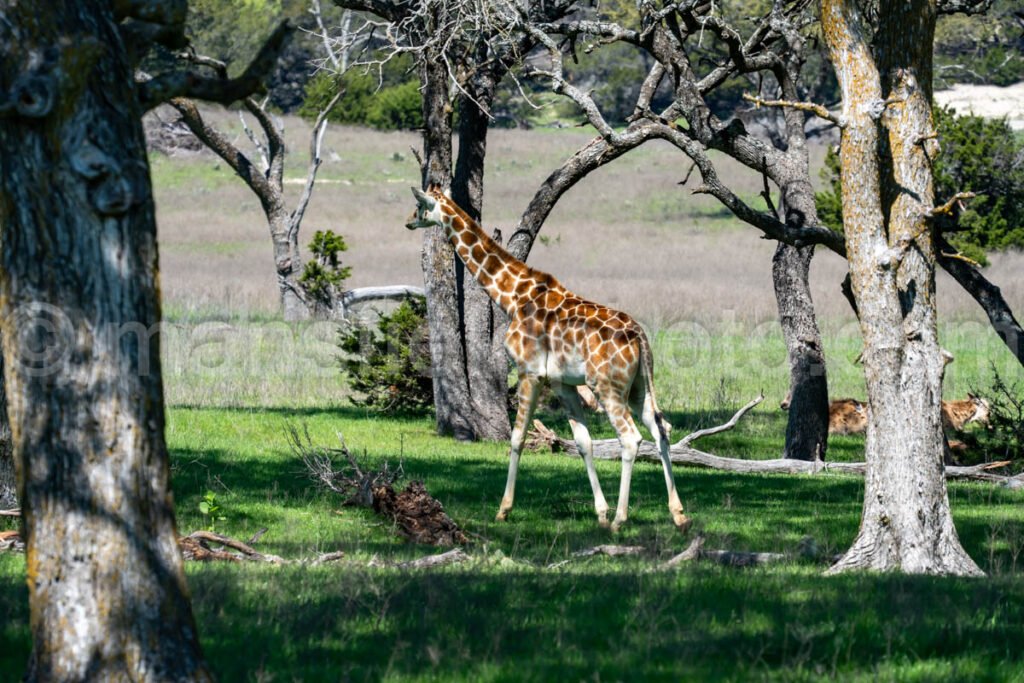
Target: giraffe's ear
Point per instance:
(424, 199)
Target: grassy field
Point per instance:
(506, 617)
(236, 378)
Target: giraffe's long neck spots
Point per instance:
(494, 268)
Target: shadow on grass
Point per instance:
(343, 412)
(599, 618)
(607, 625)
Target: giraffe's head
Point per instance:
(429, 208)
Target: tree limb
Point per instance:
(989, 297)
(219, 143)
(816, 109)
(316, 140)
(167, 86)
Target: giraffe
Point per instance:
(555, 334)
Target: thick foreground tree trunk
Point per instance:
(906, 523)
(79, 294)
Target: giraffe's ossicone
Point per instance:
(555, 334)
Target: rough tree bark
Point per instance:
(807, 425)
(453, 401)
(79, 294)
(906, 523)
(487, 364)
(8, 484)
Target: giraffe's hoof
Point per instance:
(603, 522)
(682, 522)
(617, 524)
(502, 516)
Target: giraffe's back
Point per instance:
(557, 334)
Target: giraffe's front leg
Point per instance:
(529, 387)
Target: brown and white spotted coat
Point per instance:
(957, 414)
(555, 334)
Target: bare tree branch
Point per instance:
(167, 86)
(816, 109)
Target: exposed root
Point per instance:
(417, 515)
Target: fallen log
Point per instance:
(682, 453)
(455, 556)
(198, 547)
(609, 550)
(735, 558)
(14, 512)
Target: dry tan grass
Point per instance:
(628, 236)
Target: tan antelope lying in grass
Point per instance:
(850, 416)
(845, 415)
(957, 414)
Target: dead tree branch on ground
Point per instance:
(418, 516)
(682, 453)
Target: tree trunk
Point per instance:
(78, 275)
(470, 383)
(287, 263)
(484, 324)
(906, 523)
(452, 400)
(807, 426)
(8, 483)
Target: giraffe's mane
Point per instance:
(493, 246)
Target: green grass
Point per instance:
(505, 617)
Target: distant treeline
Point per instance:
(987, 49)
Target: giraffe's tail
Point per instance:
(647, 367)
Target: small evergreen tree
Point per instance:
(389, 366)
(323, 276)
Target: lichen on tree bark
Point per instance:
(79, 301)
(906, 523)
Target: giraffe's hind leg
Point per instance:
(643, 404)
(571, 400)
(629, 436)
(529, 387)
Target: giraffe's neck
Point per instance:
(497, 271)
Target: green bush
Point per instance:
(978, 155)
(983, 156)
(323, 277)
(388, 101)
(399, 107)
(389, 365)
(324, 271)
